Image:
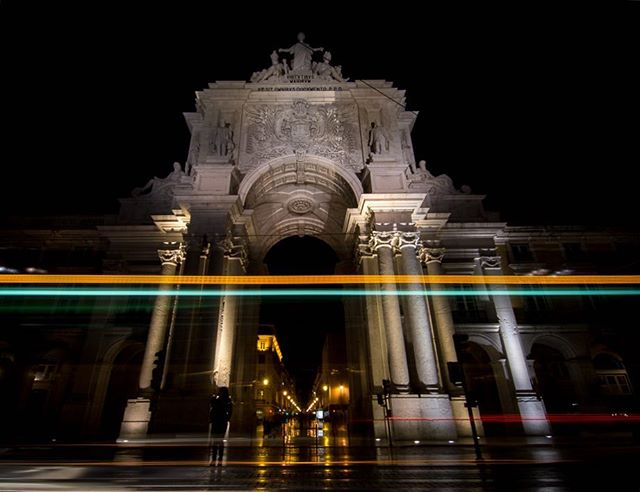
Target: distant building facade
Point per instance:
(302, 151)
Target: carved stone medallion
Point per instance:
(300, 205)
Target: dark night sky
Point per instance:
(537, 109)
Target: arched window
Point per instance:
(612, 375)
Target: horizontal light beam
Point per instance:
(320, 279)
(13, 292)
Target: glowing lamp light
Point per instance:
(284, 393)
(325, 387)
(341, 387)
(265, 381)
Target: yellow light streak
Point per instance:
(320, 279)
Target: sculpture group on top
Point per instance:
(302, 67)
(420, 177)
(156, 186)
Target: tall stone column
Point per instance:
(418, 315)
(137, 414)
(382, 244)
(532, 411)
(445, 329)
(170, 259)
(203, 263)
(235, 260)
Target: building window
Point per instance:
(615, 384)
(521, 252)
(535, 302)
(612, 375)
(467, 308)
(465, 303)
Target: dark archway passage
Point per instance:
(302, 322)
(553, 378)
(482, 385)
(123, 384)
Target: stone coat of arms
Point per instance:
(327, 130)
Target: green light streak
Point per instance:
(311, 292)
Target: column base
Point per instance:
(534, 415)
(422, 418)
(461, 416)
(135, 422)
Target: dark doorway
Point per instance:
(302, 322)
(482, 387)
(553, 379)
(123, 384)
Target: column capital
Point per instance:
(490, 262)
(396, 240)
(406, 240)
(380, 239)
(173, 256)
(431, 255)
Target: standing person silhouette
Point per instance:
(220, 409)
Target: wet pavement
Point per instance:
(575, 464)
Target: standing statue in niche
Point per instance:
(223, 141)
(378, 139)
(155, 184)
(302, 54)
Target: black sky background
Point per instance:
(537, 109)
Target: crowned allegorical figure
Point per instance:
(301, 65)
(302, 54)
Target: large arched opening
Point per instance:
(310, 329)
(123, 385)
(553, 378)
(482, 387)
(292, 216)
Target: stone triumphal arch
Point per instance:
(300, 150)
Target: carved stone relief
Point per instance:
(327, 130)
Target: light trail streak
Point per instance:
(320, 279)
(588, 418)
(64, 292)
(288, 463)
